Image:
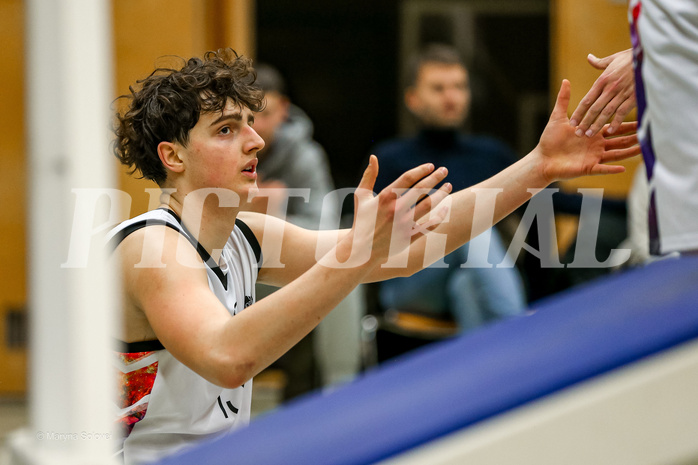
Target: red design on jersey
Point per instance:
(636, 11)
(134, 386)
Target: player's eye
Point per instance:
(224, 130)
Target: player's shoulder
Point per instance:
(156, 247)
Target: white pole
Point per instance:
(69, 90)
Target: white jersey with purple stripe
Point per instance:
(665, 45)
(163, 406)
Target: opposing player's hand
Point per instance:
(613, 92)
(402, 212)
(563, 155)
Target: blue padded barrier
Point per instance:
(454, 384)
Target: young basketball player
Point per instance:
(193, 335)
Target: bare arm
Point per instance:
(559, 155)
(194, 326)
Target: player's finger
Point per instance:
(606, 169)
(587, 101)
(423, 187)
(604, 115)
(621, 154)
(435, 219)
(599, 113)
(621, 142)
(410, 178)
(599, 63)
(562, 102)
(368, 180)
(432, 201)
(622, 111)
(628, 127)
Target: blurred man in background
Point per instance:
(438, 95)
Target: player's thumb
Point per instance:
(598, 63)
(368, 180)
(562, 102)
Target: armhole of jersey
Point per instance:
(140, 346)
(130, 229)
(251, 238)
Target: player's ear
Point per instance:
(170, 157)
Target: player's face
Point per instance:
(441, 95)
(222, 151)
(274, 114)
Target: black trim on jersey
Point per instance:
(140, 346)
(203, 253)
(232, 408)
(220, 404)
(251, 238)
(124, 233)
(121, 235)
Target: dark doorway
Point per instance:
(340, 60)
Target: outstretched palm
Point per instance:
(565, 155)
(403, 211)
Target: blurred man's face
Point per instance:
(274, 114)
(441, 96)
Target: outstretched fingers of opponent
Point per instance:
(613, 92)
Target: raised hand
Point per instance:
(400, 213)
(564, 156)
(613, 92)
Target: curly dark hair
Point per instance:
(169, 102)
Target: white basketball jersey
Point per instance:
(665, 45)
(163, 406)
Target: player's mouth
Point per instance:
(250, 169)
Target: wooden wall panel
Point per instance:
(13, 292)
(144, 32)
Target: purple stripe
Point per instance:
(638, 59)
